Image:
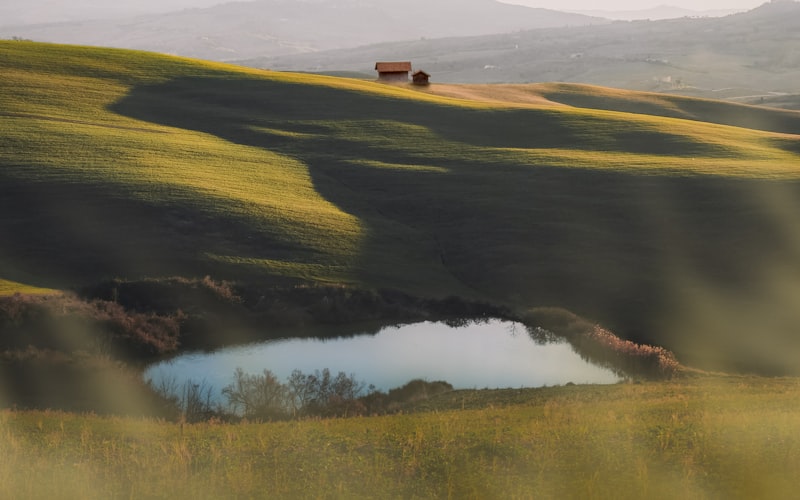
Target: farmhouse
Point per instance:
(421, 78)
(393, 71)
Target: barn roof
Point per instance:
(420, 72)
(391, 67)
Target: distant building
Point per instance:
(393, 71)
(421, 78)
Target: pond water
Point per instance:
(492, 354)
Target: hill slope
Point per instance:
(674, 231)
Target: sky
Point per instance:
(43, 11)
(698, 5)
(547, 4)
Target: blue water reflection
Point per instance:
(494, 354)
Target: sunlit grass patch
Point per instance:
(400, 166)
(668, 105)
(11, 287)
(593, 96)
(780, 166)
(284, 133)
(307, 271)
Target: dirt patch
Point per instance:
(512, 94)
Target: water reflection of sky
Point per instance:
(495, 354)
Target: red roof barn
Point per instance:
(393, 71)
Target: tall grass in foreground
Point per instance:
(704, 438)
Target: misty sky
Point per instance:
(23, 12)
(161, 5)
(698, 5)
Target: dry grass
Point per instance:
(704, 438)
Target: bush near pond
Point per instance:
(135, 323)
(602, 347)
(263, 397)
(67, 323)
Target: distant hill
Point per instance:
(752, 55)
(656, 13)
(262, 28)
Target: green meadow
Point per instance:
(651, 215)
(670, 221)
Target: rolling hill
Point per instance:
(671, 220)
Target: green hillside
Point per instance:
(655, 219)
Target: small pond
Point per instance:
(492, 354)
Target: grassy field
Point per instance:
(647, 214)
(652, 215)
(715, 437)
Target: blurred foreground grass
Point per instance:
(706, 437)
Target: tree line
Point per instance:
(264, 397)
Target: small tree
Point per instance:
(300, 392)
(256, 396)
(196, 401)
(168, 390)
(321, 393)
(192, 400)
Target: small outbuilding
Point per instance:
(421, 78)
(393, 71)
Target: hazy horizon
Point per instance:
(46, 11)
(625, 5)
(546, 4)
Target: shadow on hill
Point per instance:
(70, 234)
(649, 256)
(67, 234)
(723, 113)
(240, 104)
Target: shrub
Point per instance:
(600, 346)
(259, 397)
(67, 323)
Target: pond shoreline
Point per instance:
(115, 329)
(489, 353)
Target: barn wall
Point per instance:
(393, 77)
